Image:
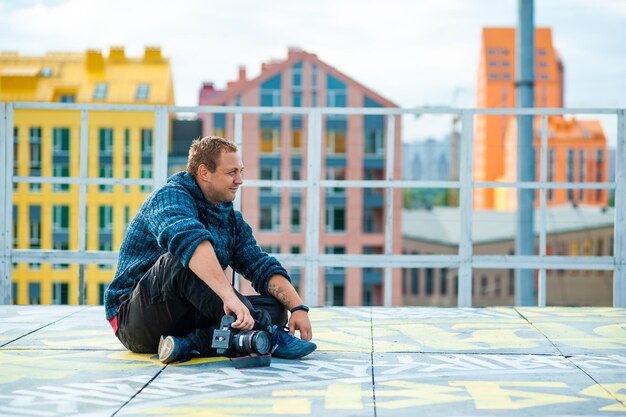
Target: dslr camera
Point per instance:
(245, 348)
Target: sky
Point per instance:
(412, 52)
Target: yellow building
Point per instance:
(46, 143)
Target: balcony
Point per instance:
(463, 259)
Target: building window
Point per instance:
(35, 155)
(570, 173)
(336, 95)
(296, 140)
(415, 281)
(581, 172)
(443, 281)
(430, 281)
(106, 219)
(270, 218)
(335, 219)
(374, 142)
(270, 173)
(34, 293)
(60, 245)
(35, 227)
(271, 96)
(550, 172)
(336, 141)
(105, 141)
(146, 143)
(334, 294)
(61, 141)
(61, 170)
(295, 219)
(143, 91)
(59, 293)
(295, 249)
(67, 98)
(498, 286)
(372, 220)
(102, 288)
(296, 76)
(60, 218)
(106, 171)
(146, 173)
(15, 224)
(270, 140)
(483, 285)
(100, 92)
(336, 173)
(104, 245)
(334, 250)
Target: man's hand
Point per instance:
(299, 320)
(234, 307)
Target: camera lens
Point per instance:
(253, 342)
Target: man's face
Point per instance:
(222, 185)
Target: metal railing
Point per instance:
(312, 260)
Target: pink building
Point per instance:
(274, 146)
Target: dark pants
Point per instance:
(172, 300)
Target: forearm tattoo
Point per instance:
(279, 293)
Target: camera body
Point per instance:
(235, 343)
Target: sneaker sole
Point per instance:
(166, 348)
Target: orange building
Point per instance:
(496, 89)
(274, 147)
(576, 153)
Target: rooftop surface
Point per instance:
(371, 361)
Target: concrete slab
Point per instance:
(486, 385)
(65, 361)
(488, 330)
(579, 331)
(70, 382)
(317, 385)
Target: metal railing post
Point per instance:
(314, 151)
(541, 295)
(619, 249)
(6, 201)
(466, 200)
(389, 168)
(159, 161)
(83, 164)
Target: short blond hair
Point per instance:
(207, 151)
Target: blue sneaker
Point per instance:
(172, 349)
(286, 346)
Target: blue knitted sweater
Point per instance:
(176, 218)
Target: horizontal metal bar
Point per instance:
(64, 256)
(547, 185)
(78, 180)
(605, 263)
(86, 106)
(305, 110)
(330, 183)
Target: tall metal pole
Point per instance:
(524, 240)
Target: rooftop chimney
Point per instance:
(152, 53)
(117, 53)
(242, 73)
(94, 60)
